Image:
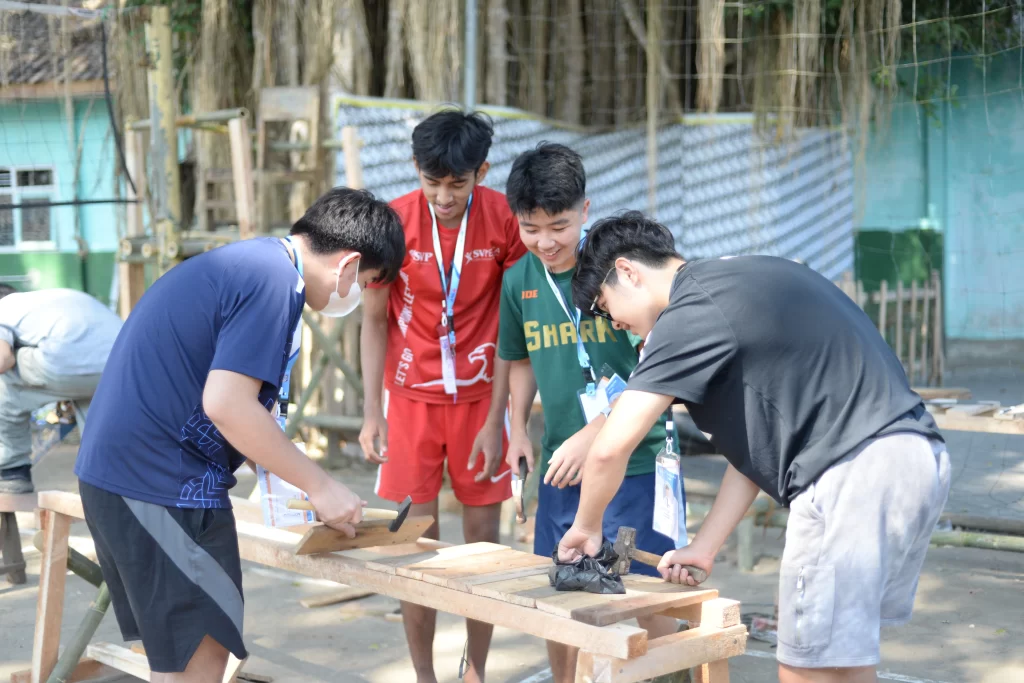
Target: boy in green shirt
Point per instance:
(539, 334)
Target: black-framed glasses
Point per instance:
(596, 310)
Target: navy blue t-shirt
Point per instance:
(233, 308)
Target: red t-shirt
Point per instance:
(412, 367)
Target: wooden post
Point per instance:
(924, 333)
(938, 333)
(164, 136)
(350, 144)
(883, 300)
(899, 323)
(241, 175)
(50, 607)
(861, 300)
(132, 276)
(653, 101)
(913, 330)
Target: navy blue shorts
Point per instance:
(632, 506)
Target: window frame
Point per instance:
(16, 192)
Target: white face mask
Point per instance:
(340, 306)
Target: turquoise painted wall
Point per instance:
(35, 133)
(962, 174)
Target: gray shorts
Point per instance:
(855, 543)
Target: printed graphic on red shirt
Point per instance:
(413, 362)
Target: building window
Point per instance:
(26, 217)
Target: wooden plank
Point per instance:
(712, 672)
(324, 539)
(504, 575)
(618, 640)
(577, 604)
(18, 502)
(392, 564)
(62, 502)
(638, 605)
(346, 594)
(959, 422)
(120, 658)
(671, 653)
(933, 393)
(446, 571)
(241, 166)
(515, 591)
(87, 670)
(132, 660)
(50, 603)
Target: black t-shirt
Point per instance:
(779, 366)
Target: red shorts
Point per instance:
(421, 436)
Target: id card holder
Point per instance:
(447, 360)
(613, 384)
(592, 404)
(669, 501)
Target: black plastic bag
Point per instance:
(589, 574)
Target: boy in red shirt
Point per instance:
(428, 353)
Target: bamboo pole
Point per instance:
(164, 140)
(241, 176)
(132, 277)
(939, 335)
(913, 330)
(883, 301)
(899, 322)
(924, 334)
(654, 58)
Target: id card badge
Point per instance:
(592, 404)
(447, 360)
(669, 500)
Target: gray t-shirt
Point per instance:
(779, 366)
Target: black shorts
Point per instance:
(174, 574)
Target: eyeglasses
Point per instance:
(596, 310)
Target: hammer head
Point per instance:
(625, 545)
(403, 512)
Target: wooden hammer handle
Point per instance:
(368, 513)
(652, 560)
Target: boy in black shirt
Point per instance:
(806, 401)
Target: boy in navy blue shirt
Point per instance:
(195, 384)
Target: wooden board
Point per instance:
(618, 640)
(18, 502)
(324, 539)
(447, 571)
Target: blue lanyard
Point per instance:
(282, 396)
(581, 352)
(450, 289)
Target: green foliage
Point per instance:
(931, 31)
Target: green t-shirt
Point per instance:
(533, 325)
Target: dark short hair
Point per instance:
(6, 289)
(631, 235)
(355, 220)
(549, 177)
(452, 142)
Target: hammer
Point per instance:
(625, 548)
(397, 516)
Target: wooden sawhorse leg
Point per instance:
(50, 607)
(715, 634)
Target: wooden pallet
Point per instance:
(481, 581)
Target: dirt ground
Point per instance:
(968, 622)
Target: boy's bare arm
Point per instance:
(373, 344)
(231, 401)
